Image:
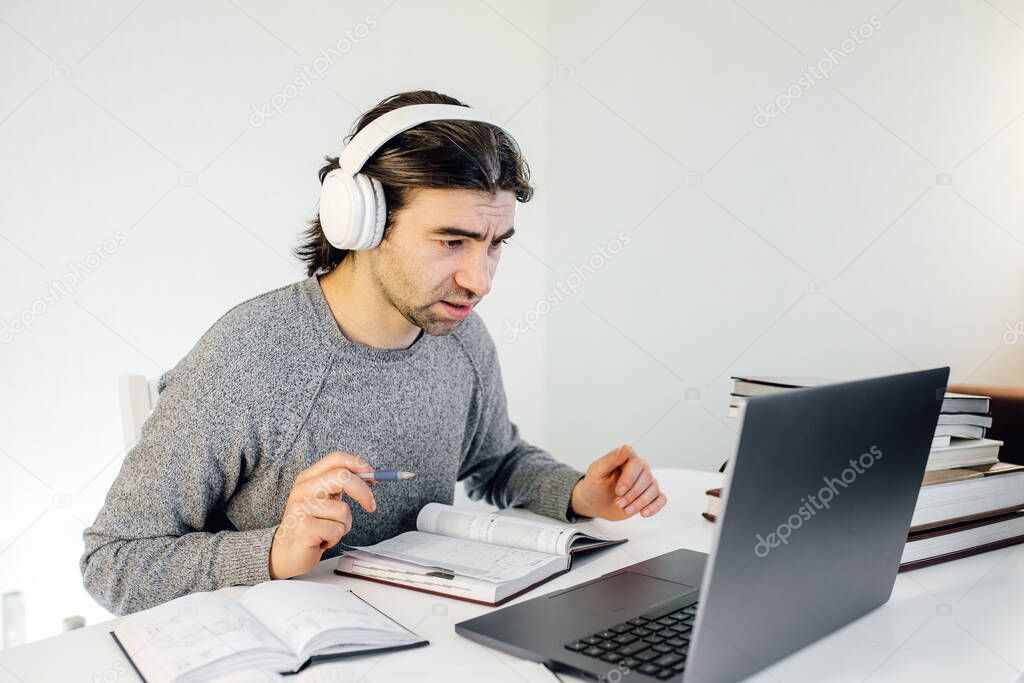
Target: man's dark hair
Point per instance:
(438, 154)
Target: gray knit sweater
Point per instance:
(271, 388)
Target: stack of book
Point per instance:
(959, 439)
(969, 501)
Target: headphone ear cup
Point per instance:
(341, 209)
(369, 203)
(380, 213)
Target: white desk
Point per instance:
(963, 621)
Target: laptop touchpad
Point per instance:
(622, 591)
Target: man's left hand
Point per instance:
(617, 486)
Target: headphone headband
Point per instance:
(373, 136)
(352, 207)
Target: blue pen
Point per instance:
(387, 475)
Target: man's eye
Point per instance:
(451, 244)
(495, 245)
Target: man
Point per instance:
(242, 472)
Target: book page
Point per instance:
(199, 631)
(414, 575)
(491, 527)
(475, 559)
(311, 617)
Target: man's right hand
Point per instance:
(315, 517)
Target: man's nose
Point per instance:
(475, 273)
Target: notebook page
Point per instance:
(485, 561)
(310, 616)
(197, 631)
(491, 527)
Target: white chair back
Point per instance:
(137, 397)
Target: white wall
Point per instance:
(825, 243)
(136, 120)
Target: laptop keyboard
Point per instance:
(655, 644)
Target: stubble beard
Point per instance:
(422, 317)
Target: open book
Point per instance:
(482, 557)
(276, 626)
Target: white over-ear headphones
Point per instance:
(352, 209)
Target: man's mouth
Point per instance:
(457, 310)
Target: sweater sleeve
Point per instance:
(503, 469)
(147, 544)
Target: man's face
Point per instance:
(440, 255)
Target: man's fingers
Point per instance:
(325, 533)
(333, 461)
(629, 478)
(640, 485)
(654, 507)
(643, 500)
(336, 481)
(330, 509)
(607, 463)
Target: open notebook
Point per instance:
(482, 557)
(276, 626)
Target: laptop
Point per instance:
(817, 503)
